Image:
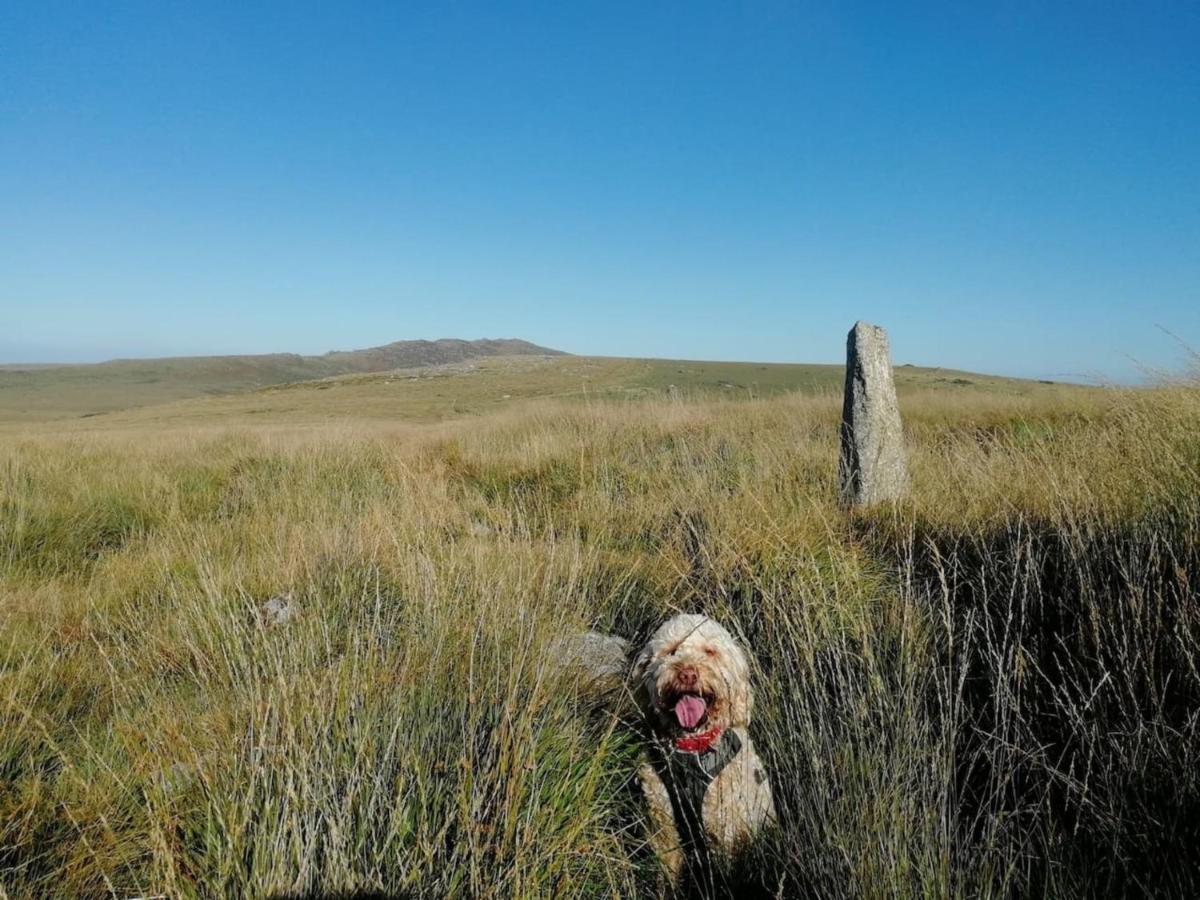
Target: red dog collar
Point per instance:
(698, 743)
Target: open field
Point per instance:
(992, 689)
(35, 393)
(471, 387)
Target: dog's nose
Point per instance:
(687, 676)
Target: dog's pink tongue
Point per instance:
(689, 710)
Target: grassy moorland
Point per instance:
(992, 689)
(94, 397)
(40, 393)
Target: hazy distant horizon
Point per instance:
(16, 360)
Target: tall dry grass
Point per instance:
(989, 690)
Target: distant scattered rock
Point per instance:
(872, 467)
(130, 383)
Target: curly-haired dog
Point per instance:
(706, 787)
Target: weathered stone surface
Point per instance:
(598, 661)
(280, 610)
(872, 467)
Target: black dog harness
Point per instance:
(687, 776)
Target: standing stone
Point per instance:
(872, 467)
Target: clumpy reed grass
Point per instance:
(988, 690)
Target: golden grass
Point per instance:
(942, 701)
(94, 398)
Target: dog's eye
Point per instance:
(710, 651)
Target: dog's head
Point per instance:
(692, 676)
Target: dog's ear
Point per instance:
(741, 704)
(751, 661)
(641, 661)
(635, 691)
(741, 695)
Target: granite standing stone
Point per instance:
(872, 467)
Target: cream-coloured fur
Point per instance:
(696, 652)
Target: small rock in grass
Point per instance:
(280, 610)
(598, 661)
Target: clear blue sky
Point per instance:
(1011, 188)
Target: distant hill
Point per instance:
(411, 354)
(43, 392)
(477, 386)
